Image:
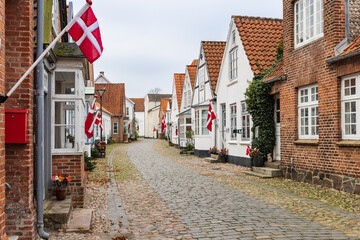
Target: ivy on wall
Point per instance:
(260, 105)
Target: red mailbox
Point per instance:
(16, 125)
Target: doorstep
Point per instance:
(57, 213)
(264, 172)
(80, 220)
(13, 237)
(211, 160)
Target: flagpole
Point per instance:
(52, 44)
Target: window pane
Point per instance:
(64, 83)
(205, 131)
(65, 137)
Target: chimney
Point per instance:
(102, 73)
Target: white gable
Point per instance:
(101, 79)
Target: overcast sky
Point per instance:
(147, 41)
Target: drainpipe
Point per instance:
(347, 20)
(40, 123)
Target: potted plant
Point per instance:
(59, 184)
(214, 152)
(223, 154)
(256, 157)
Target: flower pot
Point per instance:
(60, 194)
(222, 158)
(258, 162)
(214, 155)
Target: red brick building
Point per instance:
(113, 100)
(319, 111)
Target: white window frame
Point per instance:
(55, 16)
(233, 121)
(350, 95)
(197, 122)
(233, 63)
(80, 104)
(302, 21)
(117, 128)
(245, 123)
(204, 115)
(308, 102)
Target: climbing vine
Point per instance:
(260, 105)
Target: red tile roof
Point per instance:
(179, 83)
(163, 106)
(259, 36)
(139, 104)
(214, 52)
(114, 97)
(104, 109)
(277, 72)
(192, 71)
(355, 45)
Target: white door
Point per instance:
(277, 129)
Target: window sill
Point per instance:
(348, 143)
(246, 143)
(309, 142)
(233, 142)
(232, 83)
(67, 153)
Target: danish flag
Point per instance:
(163, 124)
(86, 33)
(98, 121)
(210, 118)
(89, 122)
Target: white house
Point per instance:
(151, 118)
(175, 105)
(244, 57)
(139, 114)
(106, 119)
(211, 53)
(129, 116)
(185, 106)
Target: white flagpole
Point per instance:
(52, 44)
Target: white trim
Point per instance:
(307, 105)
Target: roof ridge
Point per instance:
(213, 41)
(256, 17)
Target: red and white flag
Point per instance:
(86, 33)
(176, 132)
(210, 118)
(89, 129)
(129, 127)
(98, 121)
(163, 124)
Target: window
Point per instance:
(245, 118)
(308, 21)
(115, 128)
(201, 84)
(233, 64)
(308, 113)
(197, 123)
(233, 36)
(277, 110)
(185, 100)
(55, 16)
(204, 130)
(68, 111)
(233, 121)
(189, 98)
(127, 111)
(350, 103)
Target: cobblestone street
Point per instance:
(210, 209)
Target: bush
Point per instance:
(189, 147)
(95, 152)
(110, 140)
(89, 162)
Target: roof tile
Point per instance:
(259, 36)
(179, 83)
(214, 51)
(355, 45)
(139, 104)
(277, 72)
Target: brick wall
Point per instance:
(118, 137)
(20, 212)
(74, 167)
(2, 122)
(323, 162)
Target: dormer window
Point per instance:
(309, 21)
(233, 37)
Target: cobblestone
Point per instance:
(196, 199)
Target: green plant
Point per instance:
(260, 104)
(253, 153)
(189, 147)
(60, 181)
(223, 152)
(110, 140)
(95, 152)
(89, 162)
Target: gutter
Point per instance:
(275, 79)
(343, 57)
(40, 123)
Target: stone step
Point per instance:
(251, 173)
(275, 164)
(211, 160)
(272, 172)
(57, 213)
(80, 220)
(13, 237)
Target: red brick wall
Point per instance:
(20, 212)
(303, 66)
(74, 167)
(2, 122)
(118, 137)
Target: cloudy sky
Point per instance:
(147, 41)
